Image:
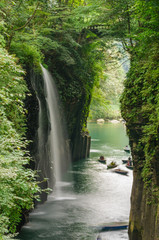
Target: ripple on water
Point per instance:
(94, 150)
(123, 235)
(64, 198)
(37, 213)
(78, 172)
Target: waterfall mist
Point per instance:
(53, 148)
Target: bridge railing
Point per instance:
(98, 27)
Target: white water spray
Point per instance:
(57, 147)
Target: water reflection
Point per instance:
(97, 196)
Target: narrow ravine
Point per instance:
(96, 196)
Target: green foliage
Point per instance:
(16, 16)
(85, 16)
(140, 109)
(99, 105)
(34, 33)
(140, 98)
(71, 3)
(27, 54)
(148, 18)
(56, 33)
(12, 90)
(17, 183)
(52, 33)
(105, 98)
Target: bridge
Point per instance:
(98, 27)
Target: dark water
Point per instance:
(96, 196)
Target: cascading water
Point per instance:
(56, 150)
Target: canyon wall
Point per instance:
(140, 106)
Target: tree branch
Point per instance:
(129, 25)
(29, 20)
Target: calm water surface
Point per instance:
(97, 196)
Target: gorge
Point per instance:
(57, 34)
(96, 196)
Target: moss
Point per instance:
(135, 230)
(74, 81)
(140, 105)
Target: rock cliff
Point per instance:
(140, 104)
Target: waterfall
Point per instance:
(54, 156)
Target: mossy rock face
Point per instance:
(74, 116)
(140, 104)
(75, 84)
(134, 231)
(157, 224)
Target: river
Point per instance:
(96, 197)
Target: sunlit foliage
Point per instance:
(56, 33)
(17, 183)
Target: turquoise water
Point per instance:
(108, 139)
(96, 196)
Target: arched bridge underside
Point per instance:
(99, 29)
